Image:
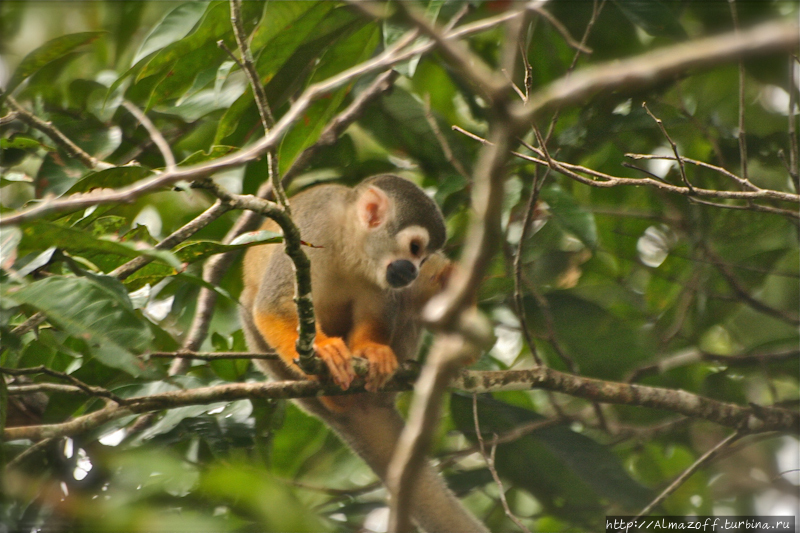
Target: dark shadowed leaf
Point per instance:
(653, 16)
(554, 463)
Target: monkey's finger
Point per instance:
(337, 358)
(382, 365)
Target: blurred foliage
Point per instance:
(623, 276)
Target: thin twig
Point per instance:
(158, 139)
(794, 146)
(489, 460)
(292, 245)
(212, 356)
(659, 65)
(672, 144)
(596, 9)
(448, 153)
(741, 133)
(41, 369)
(750, 206)
(125, 270)
(725, 172)
(173, 239)
(469, 65)
(527, 221)
(686, 474)
(247, 64)
(28, 452)
(262, 103)
(693, 356)
(603, 180)
(743, 294)
(560, 28)
(47, 127)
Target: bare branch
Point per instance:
(292, 245)
(41, 369)
(752, 418)
(602, 180)
(725, 172)
(527, 221)
(9, 118)
(264, 110)
(176, 237)
(213, 356)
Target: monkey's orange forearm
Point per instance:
(280, 332)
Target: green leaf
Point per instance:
(110, 178)
(173, 27)
(274, 42)
(399, 123)
(201, 156)
(214, 25)
(23, 143)
(96, 309)
(84, 241)
(570, 215)
(50, 51)
(40, 235)
(193, 251)
(183, 72)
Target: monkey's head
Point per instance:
(401, 227)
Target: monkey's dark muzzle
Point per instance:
(400, 273)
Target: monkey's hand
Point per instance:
(336, 356)
(382, 363)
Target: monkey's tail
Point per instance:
(373, 429)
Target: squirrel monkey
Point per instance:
(374, 265)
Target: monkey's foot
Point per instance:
(382, 364)
(336, 356)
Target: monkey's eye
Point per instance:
(416, 248)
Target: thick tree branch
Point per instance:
(753, 418)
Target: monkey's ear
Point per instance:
(373, 207)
